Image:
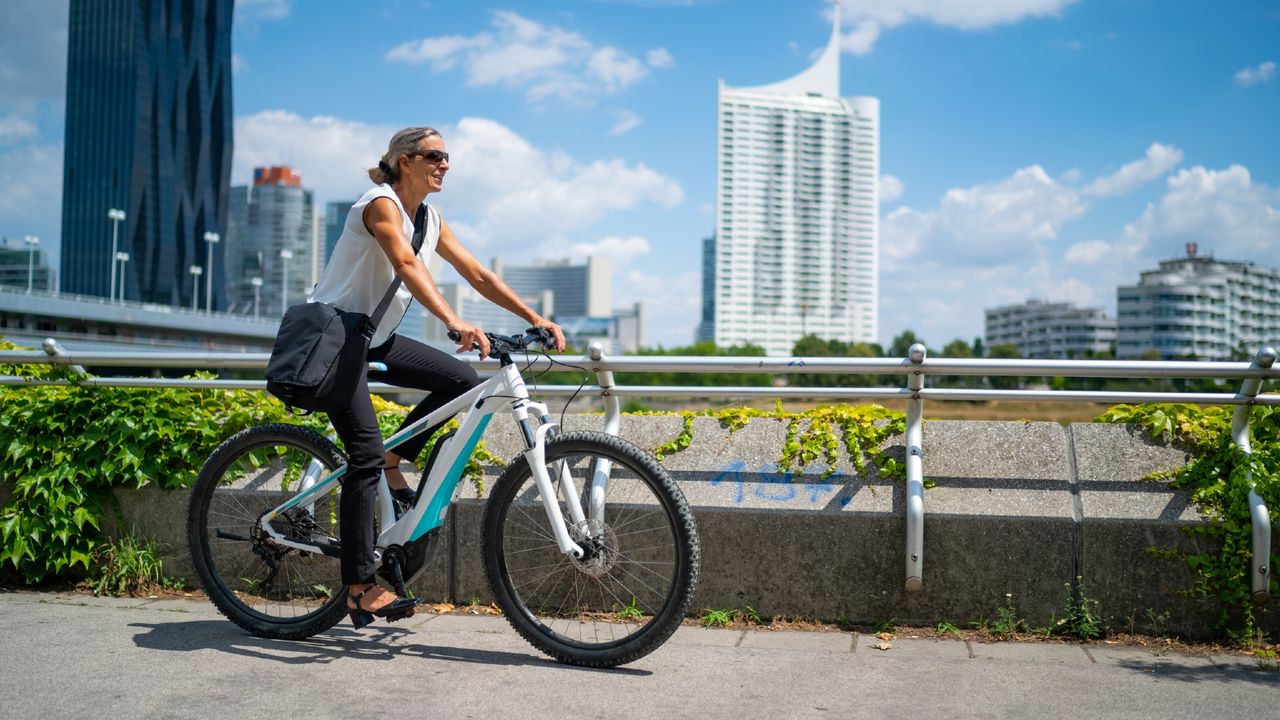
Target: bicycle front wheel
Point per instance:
(630, 591)
(268, 589)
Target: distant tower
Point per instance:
(270, 237)
(797, 210)
(148, 131)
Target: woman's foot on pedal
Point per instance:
(401, 493)
(373, 601)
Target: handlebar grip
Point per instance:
(455, 336)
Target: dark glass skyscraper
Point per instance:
(148, 132)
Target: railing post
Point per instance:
(51, 347)
(612, 405)
(1260, 571)
(915, 472)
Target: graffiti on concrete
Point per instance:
(772, 485)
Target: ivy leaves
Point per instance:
(64, 449)
(1219, 479)
(813, 436)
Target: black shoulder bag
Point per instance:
(321, 352)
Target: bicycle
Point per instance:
(600, 577)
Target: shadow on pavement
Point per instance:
(1203, 673)
(335, 644)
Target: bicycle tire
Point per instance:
(645, 513)
(249, 473)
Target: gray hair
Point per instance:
(402, 143)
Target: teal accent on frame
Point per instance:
(431, 519)
(312, 490)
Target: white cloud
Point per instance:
(331, 154)
(1001, 243)
(1089, 252)
(1221, 210)
(867, 19)
(1158, 160)
(31, 194)
(990, 223)
(615, 68)
(251, 11)
(518, 196)
(543, 61)
(621, 251)
(33, 54)
(903, 231)
(891, 188)
(660, 59)
(672, 304)
(627, 121)
(441, 52)
(15, 129)
(1257, 74)
(862, 38)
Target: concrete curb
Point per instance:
(1016, 512)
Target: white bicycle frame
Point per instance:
(442, 483)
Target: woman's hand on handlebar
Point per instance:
(469, 336)
(555, 331)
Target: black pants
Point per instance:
(410, 364)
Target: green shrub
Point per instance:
(63, 450)
(1217, 478)
(128, 566)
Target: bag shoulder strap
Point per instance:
(419, 236)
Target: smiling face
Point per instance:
(424, 169)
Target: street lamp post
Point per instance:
(257, 294)
(123, 257)
(117, 216)
(196, 271)
(285, 256)
(210, 239)
(32, 241)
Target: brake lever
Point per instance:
(455, 336)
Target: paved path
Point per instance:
(73, 656)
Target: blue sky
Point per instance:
(1029, 148)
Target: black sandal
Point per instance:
(397, 609)
(403, 498)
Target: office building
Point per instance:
(24, 264)
(149, 133)
(270, 237)
(797, 208)
(1042, 329)
(577, 297)
(706, 331)
(1199, 307)
(578, 290)
(335, 216)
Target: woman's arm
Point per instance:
(383, 220)
(488, 284)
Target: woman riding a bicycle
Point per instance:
(373, 249)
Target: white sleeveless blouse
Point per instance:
(359, 273)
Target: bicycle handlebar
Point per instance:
(505, 344)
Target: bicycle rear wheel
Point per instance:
(630, 592)
(268, 589)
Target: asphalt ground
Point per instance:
(77, 656)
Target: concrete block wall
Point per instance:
(1016, 510)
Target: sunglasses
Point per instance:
(432, 156)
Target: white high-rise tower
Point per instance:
(797, 211)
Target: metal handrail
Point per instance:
(916, 366)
